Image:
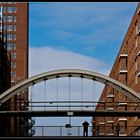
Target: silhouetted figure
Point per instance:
(85, 128)
(118, 129)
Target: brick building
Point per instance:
(15, 22)
(5, 77)
(126, 69)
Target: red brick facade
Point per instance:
(126, 69)
(15, 18)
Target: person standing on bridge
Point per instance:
(118, 129)
(85, 128)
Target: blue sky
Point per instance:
(76, 35)
(94, 29)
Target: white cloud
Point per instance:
(46, 59)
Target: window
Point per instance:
(14, 36)
(14, 55)
(9, 46)
(5, 27)
(5, 36)
(14, 27)
(9, 18)
(4, 8)
(136, 64)
(137, 28)
(14, 64)
(14, 74)
(14, 18)
(9, 9)
(4, 18)
(1, 11)
(15, 9)
(136, 42)
(11, 64)
(9, 36)
(138, 79)
(9, 27)
(14, 46)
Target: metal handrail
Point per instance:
(78, 130)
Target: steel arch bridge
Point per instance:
(70, 73)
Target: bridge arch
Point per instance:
(66, 73)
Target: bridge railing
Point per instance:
(72, 105)
(60, 131)
(65, 131)
(78, 131)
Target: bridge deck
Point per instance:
(62, 113)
